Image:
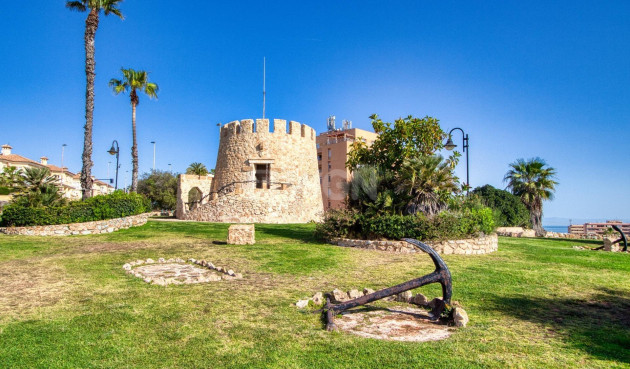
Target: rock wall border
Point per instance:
(95, 227)
(468, 246)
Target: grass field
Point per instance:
(67, 303)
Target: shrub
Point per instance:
(337, 223)
(443, 226)
(508, 209)
(115, 205)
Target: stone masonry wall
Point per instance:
(521, 232)
(185, 183)
(294, 195)
(469, 246)
(96, 227)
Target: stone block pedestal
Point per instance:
(241, 234)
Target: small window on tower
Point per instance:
(262, 176)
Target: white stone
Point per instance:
(460, 317)
(318, 298)
(302, 304)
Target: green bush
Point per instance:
(6, 190)
(508, 208)
(443, 226)
(115, 205)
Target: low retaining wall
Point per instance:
(469, 246)
(96, 227)
(520, 232)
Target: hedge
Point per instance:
(6, 190)
(115, 205)
(444, 226)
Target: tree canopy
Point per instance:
(406, 138)
(507, 208)
(198, 169)
(160, 187)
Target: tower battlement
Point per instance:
(261, 126)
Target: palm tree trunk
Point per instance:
(134, 150)
(91, 25)
(536, 218)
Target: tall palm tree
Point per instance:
(197, 168)
(533, 181)
(132, 82)
(427, 181)
(91, 25)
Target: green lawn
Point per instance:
(67, 303)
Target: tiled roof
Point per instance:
(54, 168)
(17, 158)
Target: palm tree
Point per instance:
(10, 177)
(38, 188)
(427, 181)
(533, 182)
(133, 81)
(198, 169)
(91, 25)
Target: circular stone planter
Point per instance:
(469, 246)
(177, 271)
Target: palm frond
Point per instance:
(79, 6)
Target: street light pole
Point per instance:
(449, 145)
(115, 150)
(63, 146)
(153, 142)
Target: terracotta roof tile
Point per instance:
(17, 158)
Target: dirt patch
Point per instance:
(25, 286)
(396, 324)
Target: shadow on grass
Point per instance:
(298, 232)
(599, 325)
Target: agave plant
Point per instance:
(370, 191)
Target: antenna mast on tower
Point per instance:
(264, 90)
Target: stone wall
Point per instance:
(185, 183)
(515, 232)
(96, 227)
(521, 232)
(294, 193)
(469, 246)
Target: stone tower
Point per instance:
(263, 176)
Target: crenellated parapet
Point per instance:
(261, 126)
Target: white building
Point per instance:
(69, 182)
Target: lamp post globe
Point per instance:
(115, 150)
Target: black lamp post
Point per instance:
(449, 145)
(115, 150)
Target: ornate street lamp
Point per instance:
(115, 150)
(449, 145)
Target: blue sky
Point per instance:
(523, 79)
